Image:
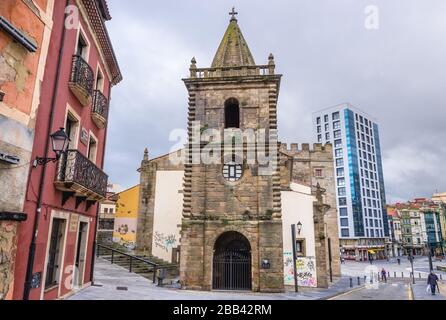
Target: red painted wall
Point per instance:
(52, 198)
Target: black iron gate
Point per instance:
(232, 270)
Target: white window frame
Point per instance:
(88, 221)
(90, 136)
(81, 30)
(63, 216)
(99, 71)
(74, 114)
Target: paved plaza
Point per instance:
(113, 282)
(421, 267)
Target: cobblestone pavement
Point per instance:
(116, 283)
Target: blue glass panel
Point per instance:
(355, 186)
(382, 189)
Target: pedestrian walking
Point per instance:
(384, 275)
(432, 280)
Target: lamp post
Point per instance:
(293, 238)
(431, 265)
(299, 228)
(59, 142)
(411, 263)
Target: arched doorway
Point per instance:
(232, 262)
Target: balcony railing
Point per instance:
(263, 70)
(99, 112)
(81, 80)
(77, 174)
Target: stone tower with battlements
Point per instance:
(313, 167)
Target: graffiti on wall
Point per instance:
(165, 242)
(306, 270)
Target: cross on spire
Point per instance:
(233, 13)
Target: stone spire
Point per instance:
(233, 50)
(146, 154)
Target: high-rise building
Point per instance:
(361, 199)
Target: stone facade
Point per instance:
(148, 169)
(8, 247)
(312, 167)
(251, 206)
(214, 206)
(21, 73)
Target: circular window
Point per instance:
(232, 171)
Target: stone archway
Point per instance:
(232, 267)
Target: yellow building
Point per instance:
(126, 217)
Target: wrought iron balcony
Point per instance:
(99, 112)
(81, 80)
(80, 177)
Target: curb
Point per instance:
(340, 294)
(410, 292)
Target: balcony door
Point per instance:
(72, 129)
(81, 254)
(82, 47)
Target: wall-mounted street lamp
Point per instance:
(299, 228)
(59, 142)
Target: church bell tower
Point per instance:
(231, 233)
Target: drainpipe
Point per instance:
(93, 255)
(32, 247)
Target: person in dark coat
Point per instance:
(432, 280)
(384, 275)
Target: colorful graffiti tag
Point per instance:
(306, 270)
(163, 241)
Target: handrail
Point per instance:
(131, 257)
(128, 255)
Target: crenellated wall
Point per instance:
(300, 164)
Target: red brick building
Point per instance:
(62, 197)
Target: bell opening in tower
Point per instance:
(232, 114)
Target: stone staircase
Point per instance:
(144, 269)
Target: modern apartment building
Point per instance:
(361, 199)
(419, 225)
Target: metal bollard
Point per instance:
(351, 283)
(419, 275)
(402, 274)
(359, 281)
(388, 274)
(441, 277)
(394, 274)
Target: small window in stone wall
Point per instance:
(319, 173)
(300, 247)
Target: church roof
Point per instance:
(233, 50)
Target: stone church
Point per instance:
(227, 222)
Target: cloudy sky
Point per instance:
(327, 56)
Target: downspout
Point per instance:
(32, 247)
(93, 255)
